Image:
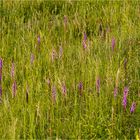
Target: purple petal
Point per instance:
(133, 107)
(85, 37)
(14, 88)
(0, 63)
(84, 45)
(38, 39)
(125, 92)
(64, 90)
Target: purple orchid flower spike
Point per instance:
(64, 89)
(85, 37)
(125, 93)
(124, 102)
(133, 107)
(14, 88)
(84, 41)
(0, 63)
(98, 84)
(84, 45)
(38, 39)
(113, 43)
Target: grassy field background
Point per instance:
(65, 67)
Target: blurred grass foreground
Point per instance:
(69, 69)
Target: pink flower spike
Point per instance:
(38, 39)
(14, 88)
(64, 89)
(133, 107)
(125, 94)
(0, 63)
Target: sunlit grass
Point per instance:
(44, 40)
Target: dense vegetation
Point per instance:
(69, 69)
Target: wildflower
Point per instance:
(113, 43)
(13, 71)
(133, 107)
(125, 93)
(53, 93)
(85, 37)
(98, 84)
(0, 63)
(38, 39)
(64, 90)
(80, 87)
(115, 91)
(124, 102)
(84, 45)
(32, 58)
(14, 88)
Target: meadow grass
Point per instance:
(62, 61)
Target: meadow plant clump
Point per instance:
(69, 69)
